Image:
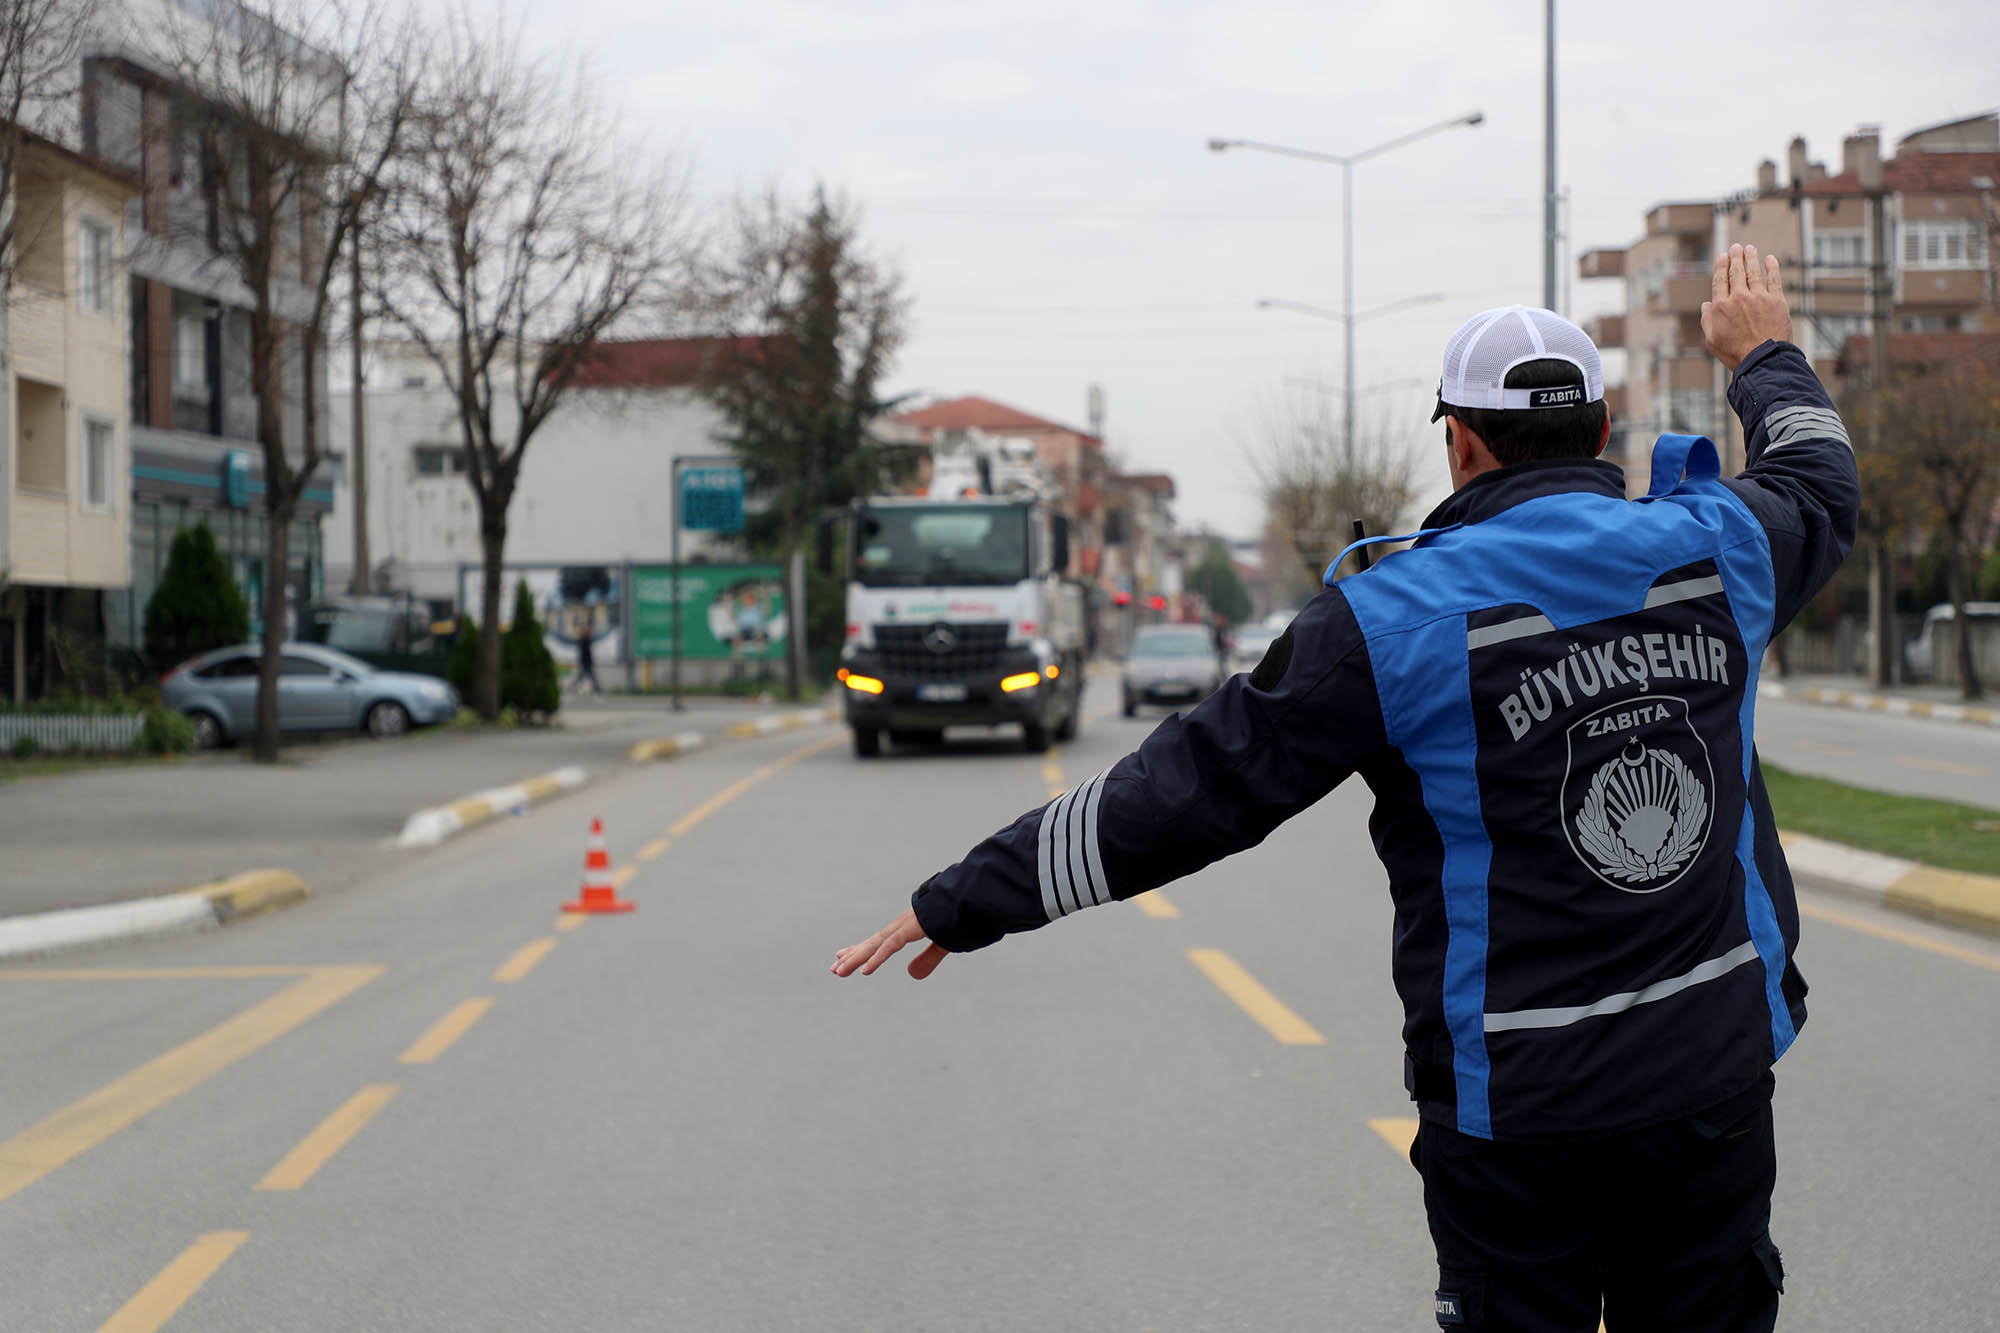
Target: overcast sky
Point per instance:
(1037, 171)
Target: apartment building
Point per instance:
(1939, 198)
(64, 476)
(194, 450)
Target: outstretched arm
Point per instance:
(1800, 479)
(1215, 781)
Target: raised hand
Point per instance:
(1748, 308)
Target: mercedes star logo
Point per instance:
(940, 639)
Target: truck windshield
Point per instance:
(946, 544)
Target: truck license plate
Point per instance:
(948, 693)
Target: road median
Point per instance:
(666, 747)
(776, 722)
(203, 907)
(1895, 705)
(429, 827)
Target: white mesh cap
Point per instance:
(1488, 345)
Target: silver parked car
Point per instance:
(319, 689)
(1252, 642)
(1170, 664)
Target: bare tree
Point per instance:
(294, 109)
(523, 230)
(1315, 487)
(41, 68)
(1942, 423)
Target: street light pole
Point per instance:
(1346, 164)
(1549, 158)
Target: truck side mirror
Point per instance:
(826, 546)
(1059, 529)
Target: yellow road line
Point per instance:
(623, 876)
(653, 848)
(571, 920)
(1399, 1131)
(737, 788)
(159, 1300)
(87, 1122)
(1974, 956)
(708, 807)
(1154, 904)
(296, 1167)
(1837, 751)
(1941, 766)
(1251, 997)
(447, 1030)
(525, 958)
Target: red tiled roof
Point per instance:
(1918, 173)
(657, 363)
(1160, 483)
(973, 413)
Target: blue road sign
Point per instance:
(712, 499)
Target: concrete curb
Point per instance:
(666, 747)
(776, 722)
(202, 908)
(1866, 701)
(1951, 897)
(428, 828)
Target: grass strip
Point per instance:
(1915, 828)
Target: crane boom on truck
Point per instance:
(959, 610)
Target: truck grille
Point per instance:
(979, 647)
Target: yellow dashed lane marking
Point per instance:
(1941, 766)
(333, 1133)
(1976, 957)
(1398, 1131)
(159, 1300)
(1155, 905)
(524, 959)
(653, 848)
(571, 920)
(446, 1031)
(87, 1122)
(1251, 997)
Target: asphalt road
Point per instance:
(1952, 761)
(677, 1119)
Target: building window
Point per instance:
(95, 267)
(1840, 249)
(1942, 245)
(99, 439)
(439, 460)
(191, 354)
(1831, 332)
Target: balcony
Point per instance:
(1601, 264)
(1681, 220)
(1955, 287)
(1690, 368)
(1681, 290)
(36, 329)
(1607, 330)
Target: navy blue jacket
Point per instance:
(1551, 695)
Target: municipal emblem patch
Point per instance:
(1637, 793)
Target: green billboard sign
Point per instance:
(725, 611)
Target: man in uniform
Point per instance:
(1551, 695)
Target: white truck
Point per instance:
(958, 610)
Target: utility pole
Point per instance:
(1881, 565)
(1549, 161)
(358, 408)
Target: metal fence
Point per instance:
(65, 733)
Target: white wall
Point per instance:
(594, 488)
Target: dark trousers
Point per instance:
(1665, 1229)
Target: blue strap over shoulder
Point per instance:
(1327, 578)
(1673, 455)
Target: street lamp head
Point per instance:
(1475, 118)
(1218, 145)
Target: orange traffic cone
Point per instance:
(599, 893)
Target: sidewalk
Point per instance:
(1939, 703)
(330, 811)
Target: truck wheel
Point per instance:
(1035, 737)
(867, 742)
(1131, 706)
(1066, 729)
